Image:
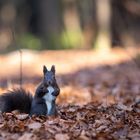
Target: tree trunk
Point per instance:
(103, 17)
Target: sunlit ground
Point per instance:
(83, 76)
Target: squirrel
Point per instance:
(46, 94)
(42, 103)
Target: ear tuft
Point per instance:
(53, 68)
(44, 69)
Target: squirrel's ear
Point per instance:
(44, 69)
(53, 68)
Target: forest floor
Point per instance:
(99, 99)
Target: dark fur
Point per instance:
(18, 99)
(38, 107)
(49, 76)
(50, 80)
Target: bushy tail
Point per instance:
(17, 99)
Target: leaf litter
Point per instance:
(104, 106)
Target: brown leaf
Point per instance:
(83, 137)
(62, 137)
(22, 116)
(35, 125)
(26, 136)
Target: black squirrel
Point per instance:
(42, 103)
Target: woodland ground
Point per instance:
(100, 95)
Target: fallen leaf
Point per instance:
(35, 125)
(22, 116)
(26, 136)
(61, 137)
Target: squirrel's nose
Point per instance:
(49, 82)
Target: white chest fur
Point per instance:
(49, 98)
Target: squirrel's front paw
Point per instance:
(41, 91)
(45, 90)
(56, 92)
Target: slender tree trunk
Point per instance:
(87, 14)
(50, 21)
(72, 24)
(103, 17)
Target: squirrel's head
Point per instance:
(49, 76)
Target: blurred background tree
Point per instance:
(65, 24)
